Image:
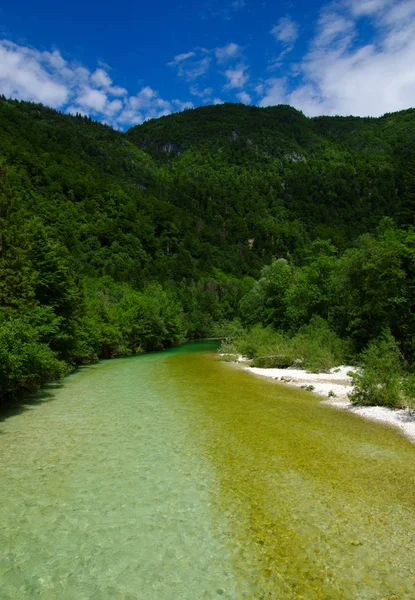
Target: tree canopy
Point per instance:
(114, 243)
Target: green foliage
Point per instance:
(266, 301)
(318, 347)
(369, 287)
(372, 280)
(259, 341)
(25, 362)
(150, 320)
(408, 390)
(379, 382)
(315, 347)
(120, 320)
(114, 243)
(228, 330)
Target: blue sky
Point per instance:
(124, 62)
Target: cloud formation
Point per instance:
(244, 97)
(340, 76)
(286, 31)
(46, 77)
(189, 67)
(33, 75)
(358, 60)
(236, 77)
(227, 52)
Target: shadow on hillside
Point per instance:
(30, 401)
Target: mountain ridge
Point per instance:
(107, 249)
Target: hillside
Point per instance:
(338, 176)
(113, 243)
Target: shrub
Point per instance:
(408, 389)
(275, 361)
(318, 346)
(228, 330)
(25, 362)
(379, 382)
(315, 347)
(260, 341)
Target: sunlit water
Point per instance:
(175, 476)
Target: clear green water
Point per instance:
(176, 476)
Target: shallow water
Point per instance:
(176, 476)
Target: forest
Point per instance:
(291, 237)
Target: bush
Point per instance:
(319, 347)
(276, 361)
(379, 382)
(228, 330)
(315, 347)
(408, 389)
(25, 362)
(120, 321)
(259, 341)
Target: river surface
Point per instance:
(175, 476)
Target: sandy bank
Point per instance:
(335, 387)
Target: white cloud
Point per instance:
(237, 78)
(147, 104)
(182, 105)
(47, 77)
(217, 101)
(367, 7)
(55, 59)
(399, 13)
(115, 90)
(197, 69)
(244, 97)
(227, 52)
(114, 107)
(190, 68)
(143, 98)
(341, 76)
(181, 57)
(93, 99)
(130, 116)
(101, 78)
(29, 75)
(333, 29)
(286, 31)
(276, 91)
(204, 93)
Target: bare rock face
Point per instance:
(295, 157)
(172, 147)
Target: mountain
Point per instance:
(336, 176)
(112, 242)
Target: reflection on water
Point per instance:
(174, 476)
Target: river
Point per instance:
(175, 476)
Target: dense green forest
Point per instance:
(257, 223)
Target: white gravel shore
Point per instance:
(335, 387)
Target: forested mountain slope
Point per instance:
(113, 243)
(338, 176)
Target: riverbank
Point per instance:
(335, 387)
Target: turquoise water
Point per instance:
(176, 476)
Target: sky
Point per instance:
(128, 61)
